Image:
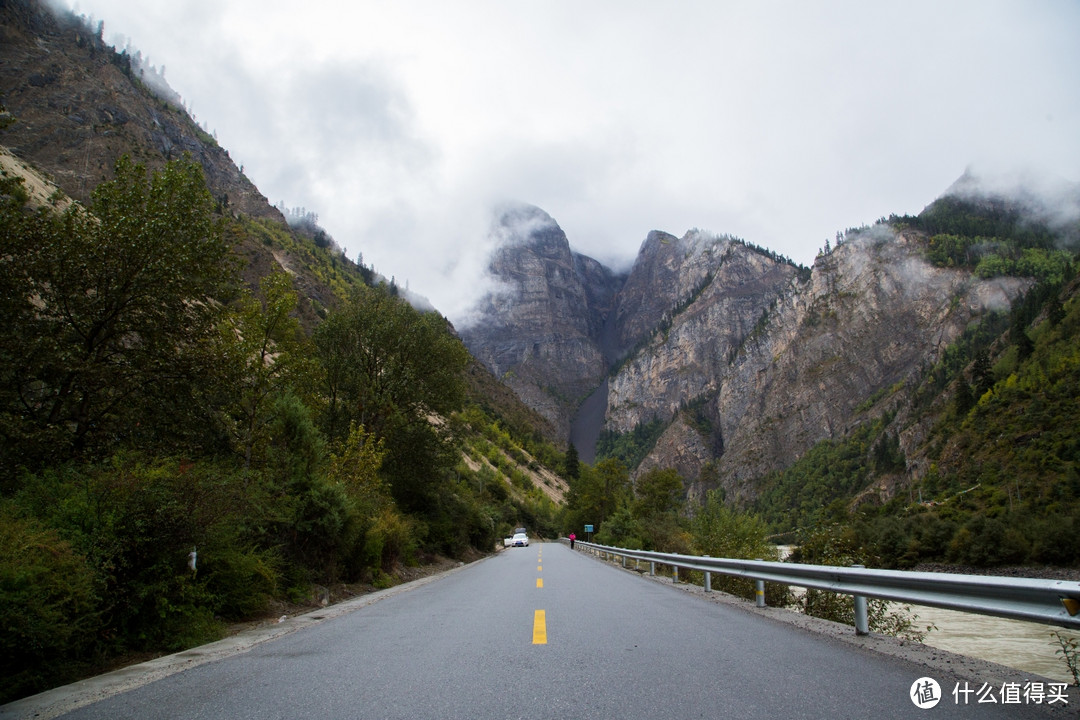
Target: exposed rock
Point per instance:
(541, 331)
(717, 292)
(80, 105)
(873, 317)
(750, 361)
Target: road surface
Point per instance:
(546, 632)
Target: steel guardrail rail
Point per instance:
(1050, 602)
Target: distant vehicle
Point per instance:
(520, 540)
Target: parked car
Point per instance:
(520, 540)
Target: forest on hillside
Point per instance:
(179, 452)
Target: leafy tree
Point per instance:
(265, 354)
(658, 491)
(720, 531)
(382, 359)
(597, 493)
(109, 314)
(393, 370)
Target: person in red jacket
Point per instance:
(573, 537)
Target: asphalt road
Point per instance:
(611, 645)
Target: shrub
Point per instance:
(832, 545)
(48, 607)
(719, 531)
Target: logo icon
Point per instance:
(925, 693)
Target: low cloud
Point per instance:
(403, 125)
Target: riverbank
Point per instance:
(1041, 572)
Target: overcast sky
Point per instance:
(402, 124)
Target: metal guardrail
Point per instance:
(1050, 602)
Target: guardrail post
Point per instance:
(759, 591)
(708, 579)
(862, 621)
(675, 573)
(652, 567)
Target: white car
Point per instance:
(519, 540)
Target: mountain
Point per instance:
(541, 331)
(728, 363)
(77, 105)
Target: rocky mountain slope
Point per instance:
(542, 331)
(743, 360)
(80, 105)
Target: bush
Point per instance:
(48, 607)
(241, 581)
(836, 546)
(719, 531)
(392, 539)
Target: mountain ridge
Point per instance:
(744, 359)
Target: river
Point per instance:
(1022, 645)
(1017, 644)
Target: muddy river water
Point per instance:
(1022, 645)
(1014, 643)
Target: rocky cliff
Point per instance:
(745, 359)
(541, 331)
(827, 355)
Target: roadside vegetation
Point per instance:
(179, 452)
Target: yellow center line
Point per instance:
(539, 582)
(539, 568)
(539, 628)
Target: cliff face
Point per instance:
(541, 330)
(835, 351)
(747, 360)
(693, 303)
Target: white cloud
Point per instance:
(401, 124)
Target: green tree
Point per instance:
(660, 490)
(596, 494)
(719, 531)
(573, 467)
(264, 354)
(110, 313)
(395, 371)
(383, 358)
